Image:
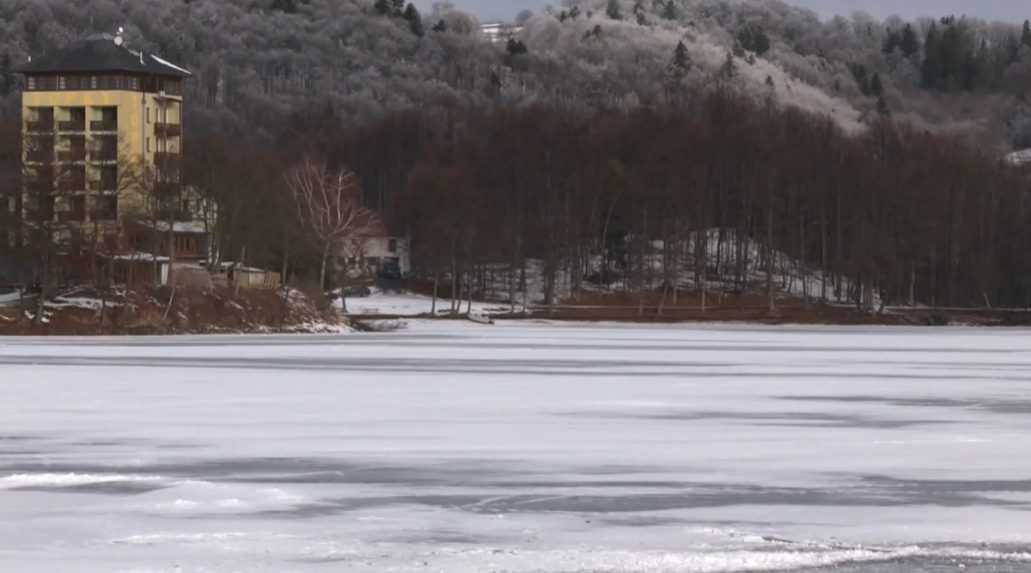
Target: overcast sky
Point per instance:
(1011, 10)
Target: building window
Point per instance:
(392, 245)
(134, 84)
(148, 144)
(62, 82)
(32, 83)
(107, 208)
(78, 211)
(185, 244)
(148, 115)
(12, 204)
(93, 82)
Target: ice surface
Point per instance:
(520, 447)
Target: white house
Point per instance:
(499, 32)
(377, 254)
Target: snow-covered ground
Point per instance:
(410, 304)
(9, 297)
(520, 447)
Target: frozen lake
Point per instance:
(520, 447)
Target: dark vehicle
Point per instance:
(391, 269)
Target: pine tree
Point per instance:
(515, 47)
(1025, 38)
(669, 11)
(639, 13)
(882, 107)
(728, 70)
(383, 7)
(414, 19)
(287, 6)
(754, 39)
(398, 7)
(931, 70)
(440, 27)
(892, 40)
(680, 65)
(909, 43)
(876, 86)
(6, 75)
(613, 11)
(862, 78)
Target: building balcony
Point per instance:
(168, 130)
(167, 187)
(74, 125)
(103, 185)
(71, 185)
(104, 155)
(72, 155)
(43, 126)
(103, 215)
(167, 158)
(103, 125)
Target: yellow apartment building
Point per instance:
(102, 147)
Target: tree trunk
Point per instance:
(322, 270)
(769, 261)
(286, 260)
(454, 280)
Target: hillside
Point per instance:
(270, 63)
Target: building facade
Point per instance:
(102, 143)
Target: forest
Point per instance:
(627, 145)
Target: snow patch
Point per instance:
(59, 480)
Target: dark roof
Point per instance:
(101, 55)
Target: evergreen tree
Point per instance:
(515, 47)
(383, 7)
(876, 86)
(931, 70)
(862, 77)
(909, 43)
(754, 39)
(882, 107)
(639, 13)
(1025, 38)
(680, 66)
(287, 6)
(6, 75)
(414, 19)
(669, 11)
(728, 70)
(440, 27)
(613, 11)
(593, 34)
(397, 7)
(892, 41)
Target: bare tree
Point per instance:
(329, 206)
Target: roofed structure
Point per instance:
(102, 54)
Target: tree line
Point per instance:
(660, 200)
